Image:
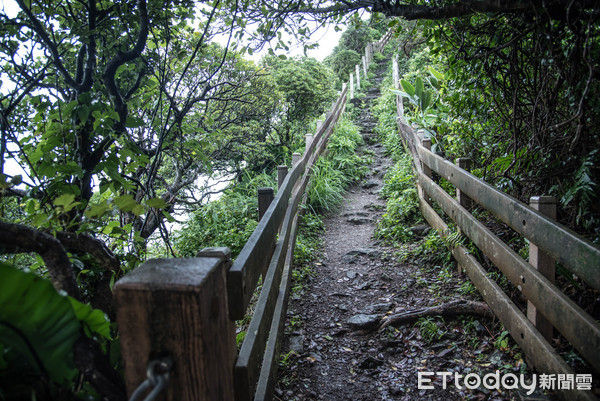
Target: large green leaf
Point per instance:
(37, 325)
(419, 87)
(407, 87)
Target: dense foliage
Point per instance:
(519, 98)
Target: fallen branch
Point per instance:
(453, 308)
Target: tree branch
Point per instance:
(16, 238)
(92, 246)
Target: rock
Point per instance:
(395, 389)
(363, 321)
(351, 274)
(374, 253)
(421, 230)
(366, 285)
(370, 184)
(379, 308)
(359, 220)
(297, 343)
(370, 363)
(356, 213)
(348, 259)
(409, 282)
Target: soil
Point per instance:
(333, 347)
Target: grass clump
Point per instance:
(341, 166)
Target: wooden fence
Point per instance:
(550, 242)
(184, 309)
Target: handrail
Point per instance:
(573, 251)
(570, 249)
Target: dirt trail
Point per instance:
(335, 351)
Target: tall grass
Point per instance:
(341, 166)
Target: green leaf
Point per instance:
(93, 319)
(425, 100)
(98, 210)
(66, 201)
(419, 87)
(83, 113)
(125, 203)
(168, 216)
(38, 327)
(133, 122)
(407, 87)
(157, 203)
(436, 73)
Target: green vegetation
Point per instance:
(341, 166)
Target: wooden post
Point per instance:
(178, 308)
(351, 86)
(426, 142)
(427, 145)
(296, 158)
(396, 76)
(357, 68)
(464, 200)
(395, 72)
(543, 263)
(308, 141)
(364, 62)
(282, 171)
(265, 197)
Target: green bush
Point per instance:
(228, 221)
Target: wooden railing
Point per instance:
(550, 242)
(183, 310)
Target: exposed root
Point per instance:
(453, 308)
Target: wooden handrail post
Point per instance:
(364, 62)
(308, 140)
(357, 68)
(395, 72)
(178, 308)
(426, 142)
(296, 158)
(464, 200)
(543, 262)
(265, 197)
(351, 86)
(282, 171)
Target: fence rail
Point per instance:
(550, 242)
(184, 309)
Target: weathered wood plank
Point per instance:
(572, 250)
(582, 331)
(264, 388)
(541, 354)
(178, 308)
(245, 271)
(246, 369)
